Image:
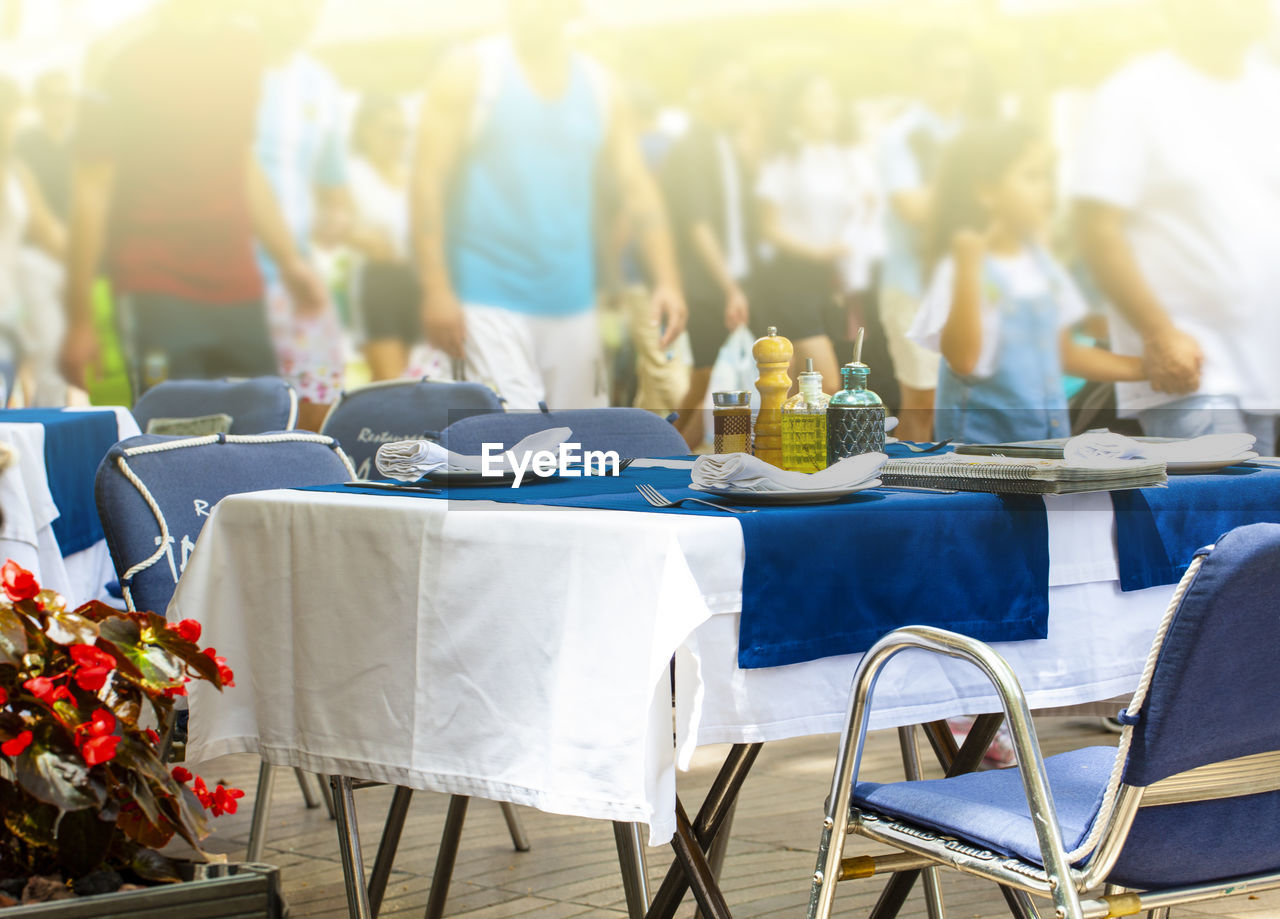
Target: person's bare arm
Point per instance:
(1173, 357)
(1091, 363)
(962, 334)
(736, 307)
(442, 130)
(644, 204)
(92, 185)
(306, 292)
(45, 230)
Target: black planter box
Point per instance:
(213, 891)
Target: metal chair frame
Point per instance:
(1057, 879)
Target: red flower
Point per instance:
(19, 583)
(4, 696)
(224, 800)
(152, 736)
(92, 666)
(181, 775)
(201, 791)
(101, 723)
(62, 693)
(225, 673)
(99, 749)
(41, 687)
(188, 629)
(175, 691)
(17, 745)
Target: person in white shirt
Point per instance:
(1177, 184)
(820, 215)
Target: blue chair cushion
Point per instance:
(629, 431)
(989, 808)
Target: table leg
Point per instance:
(711, 816)
(719, 849)
(635, 873)
(514, 826)
(261, 808)
(449, 840)
(383, 861)
(308, 793)
(691, 857)
(349, 846)
(1020, 904)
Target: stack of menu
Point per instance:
(1019, 475)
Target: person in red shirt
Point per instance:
(167, 191)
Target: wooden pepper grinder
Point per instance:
(773, 359)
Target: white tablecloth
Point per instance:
(27, 536)
(520, 653)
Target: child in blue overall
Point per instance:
(999, 307)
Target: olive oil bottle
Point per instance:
(804, 425)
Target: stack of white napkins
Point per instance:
(410, 460)
(1101, 447)
(743, 472)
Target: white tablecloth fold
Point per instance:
(410, 460)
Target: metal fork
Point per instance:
(656, 499)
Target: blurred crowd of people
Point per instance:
(538, 225)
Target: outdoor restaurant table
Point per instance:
(520, 653)
(51, 522)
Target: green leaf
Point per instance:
(31, 821)
(68, 628)
(83, 842)
(155, 867)
(190, 653)
(57, 776)
(156, 667)
(13, 638)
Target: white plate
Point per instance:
(1202, 466)
(737, 496)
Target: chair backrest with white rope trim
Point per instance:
(256, 406)
(1202, 733)
(154, 495)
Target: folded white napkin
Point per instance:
(1100, 447)
(743, 472)
(410, 460)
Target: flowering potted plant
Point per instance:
(85, 696)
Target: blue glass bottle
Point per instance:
(855, 416)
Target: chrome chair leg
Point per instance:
(386, 857)
(911, 767)
(261, 809)
(635, 873)
(448, 855)
(514, 826)
(308, 793)
(358, 906)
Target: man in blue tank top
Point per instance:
(512, 136)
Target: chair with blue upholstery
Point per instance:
(365, 418)
(1187, 808)
(155, 493)
(631, 432)
(253, 406)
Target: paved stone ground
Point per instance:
(572, 868)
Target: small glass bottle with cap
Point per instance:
(804, 424)
(731, 421)
(855, 415)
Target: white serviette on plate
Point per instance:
(1100, 447)
(743, 472)
(410, 460)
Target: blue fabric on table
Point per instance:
(74, 444)
(990, 808)
(1158, 530)
(822, 580)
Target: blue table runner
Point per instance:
(822, 580)
(1158, 530)
(74, 445)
